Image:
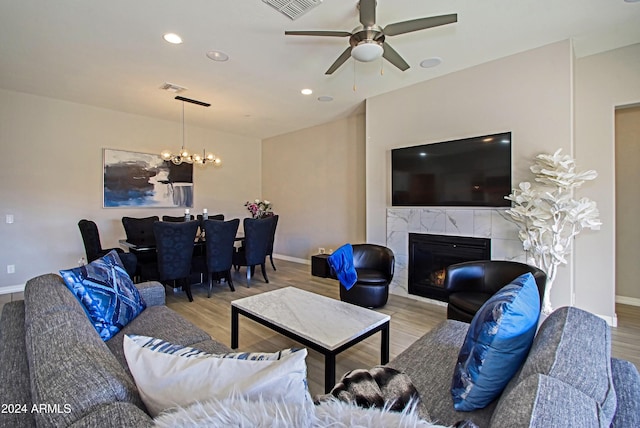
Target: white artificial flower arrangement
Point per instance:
(549, 217)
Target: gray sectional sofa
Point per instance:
(51, 356)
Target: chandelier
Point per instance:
(183, 155)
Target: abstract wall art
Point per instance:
(134, 179)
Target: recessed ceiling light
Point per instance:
(217, 56)
(172, 38)
(306, 91)
(325, 98)
(431, 62)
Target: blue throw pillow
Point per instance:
(106, 293)
(496, 345)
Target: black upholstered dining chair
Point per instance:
(253, 252)
(272, 238)
(139, 231)
(94, 250)
(221, 236)
(375, 265)
(174, 247)
(470, 284)
(175, 219)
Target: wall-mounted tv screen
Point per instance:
(472, 172)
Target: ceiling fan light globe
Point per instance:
(367, 51)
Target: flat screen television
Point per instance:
(472, 172)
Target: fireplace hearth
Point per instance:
(429, 256)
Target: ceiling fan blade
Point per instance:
(318, 33)
(367, 12)
(394, 57)
(419, 24)
(341, 60)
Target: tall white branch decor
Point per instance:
(548, 216)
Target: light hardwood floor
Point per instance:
(410, 319)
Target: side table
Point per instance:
(320, 265)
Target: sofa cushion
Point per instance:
(107, 293)
(541, 401)
(167, 380)
(429, 362)
(574, 346)
(69, 364)
(497, 343)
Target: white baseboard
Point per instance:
(19, 288)
(292, 259)
(633, 301)
(612, 321)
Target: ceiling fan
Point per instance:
(367, 41)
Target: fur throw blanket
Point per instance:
(240, 412)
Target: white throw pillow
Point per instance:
(167, 380)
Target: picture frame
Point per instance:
(138, 180)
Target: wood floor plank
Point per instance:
(410, 319)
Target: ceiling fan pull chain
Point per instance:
(381, 66)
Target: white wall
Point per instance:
(602, 82)
(529, 94)
(51, 177)
(315, 179)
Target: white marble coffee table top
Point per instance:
(325, 321)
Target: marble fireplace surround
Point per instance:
(491, 223)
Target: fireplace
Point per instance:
(429, 255)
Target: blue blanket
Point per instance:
(341, 261)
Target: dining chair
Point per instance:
(93, 247)
(220, 240)
(253, 252)
(175, 219)
(139, 231)
(174, 247)
(272, 238)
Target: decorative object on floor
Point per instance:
(134, 179)
(106, 292)
(166, 380)
(259, 208)
(183, 155)
(470, 284)
(367, 42)
(497, 342)
(549, 216)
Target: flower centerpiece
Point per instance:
(259, 209)
(549, 217)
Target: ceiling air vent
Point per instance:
(293, 8)
(170, 87)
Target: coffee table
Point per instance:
(323, 324)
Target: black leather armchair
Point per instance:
(470, 284)
(374, 265)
